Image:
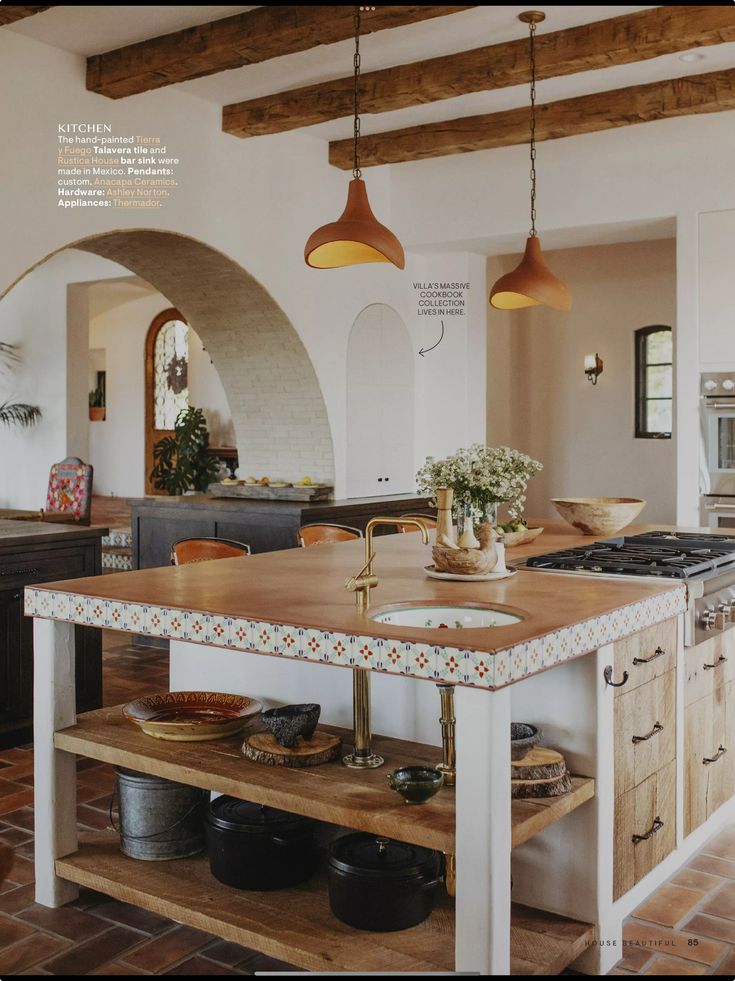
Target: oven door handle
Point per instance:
(720, 405)
(719, 507)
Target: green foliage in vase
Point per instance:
(182, 461)
(481, 475)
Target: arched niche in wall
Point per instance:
(277, 407)
(380, 404)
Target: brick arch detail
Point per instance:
(277, 406)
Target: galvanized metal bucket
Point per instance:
(159, 819)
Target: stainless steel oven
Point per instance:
(718, 445)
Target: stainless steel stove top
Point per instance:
(704, 563)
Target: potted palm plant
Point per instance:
(15, 413)
(183, 461)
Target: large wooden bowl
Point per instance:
(598, 515)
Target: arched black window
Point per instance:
(654, 382)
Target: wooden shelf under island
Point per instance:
(309, 936)
(358, 799)
(296, 925)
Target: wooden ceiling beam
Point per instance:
(243, 39)
(9, 15)
(712, 92)
(618, 41)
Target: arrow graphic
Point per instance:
(425, 350)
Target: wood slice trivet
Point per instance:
(555, 787)
(262, 747)
(539, 764)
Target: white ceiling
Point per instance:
(91, 30)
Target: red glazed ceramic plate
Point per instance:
(191, 716)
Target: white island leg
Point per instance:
(55, 796)
(483, 831)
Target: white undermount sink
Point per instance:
(454, 617)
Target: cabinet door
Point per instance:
(709, 755)
(16, 659)
(645, 828)
(645, 731)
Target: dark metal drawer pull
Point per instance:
(713, 759)
(659, 652)
(654, 829)
(18, 572)
(657, 727)
(607, 675)
(720, 660)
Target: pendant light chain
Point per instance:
(356, 172)
(532, 29)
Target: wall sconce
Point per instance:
(592, 367)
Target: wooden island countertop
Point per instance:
(293, 603)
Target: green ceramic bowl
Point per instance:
(416, 784)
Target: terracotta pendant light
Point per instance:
(357, 236)
(531, 283)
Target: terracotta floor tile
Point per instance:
(722, 902)
(672, 966)
(22, 872)
(158, 954)
(8, 788)
(711, 926)
(22, 818)
(92, 818)
(32, 950)
(14, 836)
(12, 930)
(200, 965)
(691, 879)
(17, 770)
(87, 957)
(26, 850)
(722, 845)
(16, 755)
(261, 962)
(116, 968)
(66, 921)
(669, 904)
(227, 953)
(726, 968)
(132, 916)
(663, 941)
(13, 801)
(17, 899)
(635, 958)
(713, 865)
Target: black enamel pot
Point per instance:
(381, 884)
(255, 847)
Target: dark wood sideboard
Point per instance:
(265, 526)
(36, 552)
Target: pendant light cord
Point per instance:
(532, 38)
(356, 172)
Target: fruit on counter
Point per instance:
(265, 481)
(251, 480)
(304, 482)
(514, 526)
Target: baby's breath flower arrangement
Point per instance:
(480, 476)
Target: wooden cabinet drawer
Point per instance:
(645, 828)
(646, 655)
(37, 567)
(708, 665)
(709, 755)
(645, 731)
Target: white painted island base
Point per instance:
(566, 869)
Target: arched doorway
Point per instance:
(380, 405)
(166, 381)
(277, 407)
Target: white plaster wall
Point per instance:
(255, 200)
(34, 315)
(540, 401)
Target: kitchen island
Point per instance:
(575, 860)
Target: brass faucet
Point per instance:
(362, 756)
(365, 580)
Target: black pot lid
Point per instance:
(370, 855)
(232, 814)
